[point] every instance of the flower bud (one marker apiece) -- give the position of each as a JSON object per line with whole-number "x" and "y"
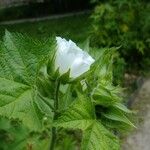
{"x": 70, "y": 58}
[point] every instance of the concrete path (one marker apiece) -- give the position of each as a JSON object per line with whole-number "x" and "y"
{"x": 140, "y": 138}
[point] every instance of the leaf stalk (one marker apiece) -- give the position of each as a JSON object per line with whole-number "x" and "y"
{"x": 56, "y": 103}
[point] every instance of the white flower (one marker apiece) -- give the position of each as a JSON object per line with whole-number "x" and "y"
{"x": 70, "y": 56}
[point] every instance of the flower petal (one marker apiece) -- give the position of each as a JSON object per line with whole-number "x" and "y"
{"x": 79, "y": 67}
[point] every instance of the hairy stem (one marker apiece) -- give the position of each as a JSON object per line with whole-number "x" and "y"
{"x": 54, "y": 131}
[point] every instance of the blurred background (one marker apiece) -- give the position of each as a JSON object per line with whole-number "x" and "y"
{"x": 124, "y": 24}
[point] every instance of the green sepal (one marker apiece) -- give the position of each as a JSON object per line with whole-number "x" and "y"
{"x": 51, "y": 67}
{"x": 65, "y": 78}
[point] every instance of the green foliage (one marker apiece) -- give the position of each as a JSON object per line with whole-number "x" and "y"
{"x": 28, "y": 93}
{"x": 67, "y": 140}
{"x": 78, "y": 116}
{"x": 20, "y": 61}
{"x": 119, "y": 71}
{"x": 81, "y": 116}
{"x": 123, "y": 23}
{"x": 98, "y": 137}
{"x": 104, "y": 101}
{"x": 16, "y": 136}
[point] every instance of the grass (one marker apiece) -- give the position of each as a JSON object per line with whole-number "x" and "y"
{"x": 76, "y": 28}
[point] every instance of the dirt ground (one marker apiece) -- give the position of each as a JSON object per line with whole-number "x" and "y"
{"x": 139, "y": 139}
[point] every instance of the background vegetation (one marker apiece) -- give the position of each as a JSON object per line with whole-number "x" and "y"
{"x": 113, "y": 23}
{"x": 125, "y": 24}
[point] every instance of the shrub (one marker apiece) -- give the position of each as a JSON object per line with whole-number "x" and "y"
{"x": 123, "y": 23}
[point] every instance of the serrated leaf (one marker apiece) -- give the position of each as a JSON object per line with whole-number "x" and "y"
{"x": 122, "y": 108}
{"x": 116, "y": 115}
{"x": 97, "y": 137}
{"x": 104, "y": 69}
{"x": 66, "y": 97}
{"x": 104, "y": 96}
{"x": 17, "y": 101}
{"x": 20, "y": 58}
{"x": 79, "y": 115}
{"x": 20, "y": 61}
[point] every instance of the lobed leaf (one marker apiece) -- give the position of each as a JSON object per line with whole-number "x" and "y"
{"x": 97, "y": 137}
{"x": 79, "y": 115}
{"x": 20, "y": 62}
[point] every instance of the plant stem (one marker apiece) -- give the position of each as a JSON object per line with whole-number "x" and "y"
{"x": 54, "y": 131}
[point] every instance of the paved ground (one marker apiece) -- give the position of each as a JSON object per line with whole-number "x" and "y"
{"x": 139, "y": 139}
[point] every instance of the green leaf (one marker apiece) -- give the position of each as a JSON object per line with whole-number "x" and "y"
{"x": 103, "y": 68}
{"x": 20, "y": 61}
{"x": 85, "y": 45}
{"x": 79, "y": 115}
{"x": 21, "y": 57}
{"x": 105, "y": 95}
{"x": 18, "y": 101}
{"x": 116, "y": 115}
{"x": 122, "y": 108}
{"x": 66, "y": 97}
{"x": 97, "y": 137}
